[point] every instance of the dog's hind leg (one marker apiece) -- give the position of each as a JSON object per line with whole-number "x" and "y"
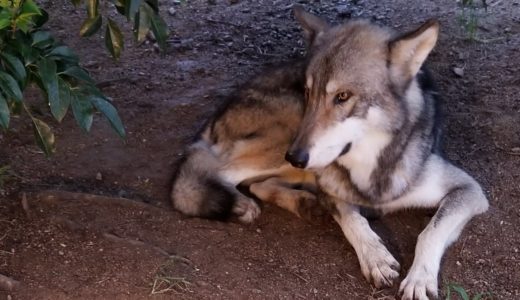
{"x": 199, "y": 191}
{"x": 296, "y": 194}
{"x": 462, "y": 198}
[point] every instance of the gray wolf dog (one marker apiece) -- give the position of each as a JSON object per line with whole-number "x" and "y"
{"x": 358, "y": 122}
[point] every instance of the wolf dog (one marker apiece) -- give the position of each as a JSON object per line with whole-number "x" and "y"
{"x": 359, "y": 123}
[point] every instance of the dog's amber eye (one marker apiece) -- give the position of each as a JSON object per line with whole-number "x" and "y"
{"x": 342, "y": 97}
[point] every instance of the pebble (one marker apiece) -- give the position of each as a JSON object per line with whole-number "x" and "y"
{"x": 458, "y": 71}
{"x": 172, "y": 11}
{"x": 343, "y": 11}
{"x": 99, "y": 177}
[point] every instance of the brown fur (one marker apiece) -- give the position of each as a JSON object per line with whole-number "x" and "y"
{"x": 252, "y": 132}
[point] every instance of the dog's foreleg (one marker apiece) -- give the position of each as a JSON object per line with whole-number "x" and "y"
{"x": 377, "y": 264}
{"x": 463, "y": 200}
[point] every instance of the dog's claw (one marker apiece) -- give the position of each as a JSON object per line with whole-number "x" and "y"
{"x": 246, "y": 210}
{"x": 419, "y": 285}
{"x": 379, "y": 266}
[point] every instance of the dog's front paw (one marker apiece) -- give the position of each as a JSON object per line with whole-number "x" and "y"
{"x": 420, "y": 284}
{"x": 378, "y": 265}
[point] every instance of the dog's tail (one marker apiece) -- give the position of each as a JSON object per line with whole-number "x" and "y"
{"x": 197, "y": 190}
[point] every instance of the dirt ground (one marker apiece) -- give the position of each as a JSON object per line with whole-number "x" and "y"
{"x": 65, "y": 245}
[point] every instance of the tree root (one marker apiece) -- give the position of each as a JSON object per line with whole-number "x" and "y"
{"x": 56, "y": 196}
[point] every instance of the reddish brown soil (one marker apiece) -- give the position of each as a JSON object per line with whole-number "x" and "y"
{"x": 71, "y": 247}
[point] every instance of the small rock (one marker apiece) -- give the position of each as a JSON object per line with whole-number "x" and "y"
{"x": 99, "y": 177}
{"x": 458, "y": 263}
{"x": 172, "y": 11}
{"x": 186, "y": 65}
{"x": 176, "y": 2}
{"x": 343, "y": 11}
{"x": 458, "y": 71}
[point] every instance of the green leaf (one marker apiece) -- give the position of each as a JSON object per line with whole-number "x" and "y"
{"x": 29, "y": 7}
{"x": 131, "y": 8}
{"x": 92, "y": 8}
{"x": 114, "y": 39}
{"x": 5, "y": 18}
{"x": 142, "y": 22}
{"x": 47, "y": 71}
{"x": 481, "y": 295}
{"x": 460, "y": 290}
{"x": 91, "y": 26}
{"x": 78, "y": 73}
{"x": 82, "y": 110}
{"x": 65, "y": 96}
{"x": 15, "y": 66}
{"x": 160, "y": 30}
{"x": 44, "y": 136}
{"x": 24, "y": 22}
{"x": 4, "y": 112}
{"x": 41, "y": 19}
{"x": 63, "y": 53}
{"x": 10, "y": 87}
{"x": 108, "y": 110}
{"x": 42, "y": 39}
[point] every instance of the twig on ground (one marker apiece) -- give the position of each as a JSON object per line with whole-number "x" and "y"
{"x": 5, "y": 234}
{"x": 107, "y": 83}
{"x": 165, "y": 282}
{"x": 117, "y": 239}
{"x": 55, "y": 196}
{"x": 25, "y": 205}
{"x": 301, "y": 277}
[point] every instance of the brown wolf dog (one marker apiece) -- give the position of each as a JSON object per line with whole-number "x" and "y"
{"x": 360, "y": 124}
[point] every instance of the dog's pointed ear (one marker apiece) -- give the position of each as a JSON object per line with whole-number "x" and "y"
{"x": 409, "y": 51}
{"x": 312, "y": 25}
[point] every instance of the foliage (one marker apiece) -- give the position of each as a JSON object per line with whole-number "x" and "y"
{"x": 463, "y": 294}
{"x": 143, "y": 13}
{"x": 29, "y": 55}
{"x": 469, "y": 16}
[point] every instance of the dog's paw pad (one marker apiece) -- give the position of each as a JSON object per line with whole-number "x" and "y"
{"x": 379, "y": 266}
{"x": 419, "y": 286}
{"x": 246, "y": 210}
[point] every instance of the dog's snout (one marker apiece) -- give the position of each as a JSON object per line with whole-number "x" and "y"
{"x": 298, "y": 158}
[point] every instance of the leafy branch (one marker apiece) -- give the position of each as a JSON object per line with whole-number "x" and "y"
{"x": 30, "y": 56}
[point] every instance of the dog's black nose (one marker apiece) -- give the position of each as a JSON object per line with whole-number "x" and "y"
{"x": 298, "y": 158}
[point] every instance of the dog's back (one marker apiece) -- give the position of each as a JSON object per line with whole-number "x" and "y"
{"x": 246, "y": 138}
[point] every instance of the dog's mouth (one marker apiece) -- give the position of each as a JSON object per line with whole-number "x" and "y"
{"x": 346, "y": 149}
